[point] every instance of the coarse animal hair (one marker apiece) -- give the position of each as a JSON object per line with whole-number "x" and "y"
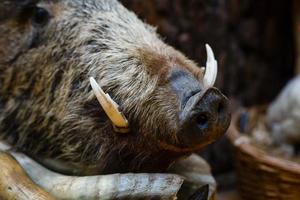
{"x": 46, "y": 103}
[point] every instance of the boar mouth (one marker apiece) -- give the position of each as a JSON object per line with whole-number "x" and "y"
{"x": 111, "y": 108}
{"x": 203, "y": 112}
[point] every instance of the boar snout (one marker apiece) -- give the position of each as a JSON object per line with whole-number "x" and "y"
{"x": 204, "y": 114}
{"x": 205, "y": 117}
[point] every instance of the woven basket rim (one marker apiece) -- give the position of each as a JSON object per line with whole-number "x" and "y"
{"x": 260, "y": 155}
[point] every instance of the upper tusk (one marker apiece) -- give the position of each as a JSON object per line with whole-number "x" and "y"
{"x": 211, "y": 70}
{"x": 111, "y": 108}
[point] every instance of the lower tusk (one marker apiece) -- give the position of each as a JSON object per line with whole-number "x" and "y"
{"x": 111, "y": 108}
{"x": 211, "y": 69}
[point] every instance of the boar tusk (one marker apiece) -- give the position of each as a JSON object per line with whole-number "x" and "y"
{"x": 211, "y": 68}
{"x": 111, "y": 108}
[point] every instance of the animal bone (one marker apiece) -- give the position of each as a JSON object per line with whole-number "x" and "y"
{"x": 111, "y": 108}
{"x": 211, "y": 69}
{"x": 115, "y": 186}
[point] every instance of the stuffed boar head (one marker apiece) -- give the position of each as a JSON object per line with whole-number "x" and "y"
{"x": 156, "y": 105}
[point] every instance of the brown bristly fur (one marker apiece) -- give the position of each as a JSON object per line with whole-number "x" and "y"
{"x": 47, "y": 107}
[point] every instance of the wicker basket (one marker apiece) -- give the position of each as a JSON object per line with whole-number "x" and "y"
{"x": 262, "y": 176}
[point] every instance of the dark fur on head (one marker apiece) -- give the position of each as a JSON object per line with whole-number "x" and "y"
{"x": 46, "y": 103}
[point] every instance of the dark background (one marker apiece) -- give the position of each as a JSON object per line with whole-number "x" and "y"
{"x": 253, "y": 40}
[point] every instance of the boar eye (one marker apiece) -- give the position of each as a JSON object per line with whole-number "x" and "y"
{"x": 41, "y": 16}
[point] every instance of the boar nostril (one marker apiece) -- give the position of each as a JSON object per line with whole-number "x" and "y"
{"x": 202, "y": 121}
{"x": 221, "y": 108}
{"x": 207, "y": 117}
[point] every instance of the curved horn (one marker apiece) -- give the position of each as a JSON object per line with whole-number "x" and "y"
{"x": 114, "y": 186}
{"x": 211, "y": 69}
{"x": 111, "y": 108}
{"x": 15, "y": 183}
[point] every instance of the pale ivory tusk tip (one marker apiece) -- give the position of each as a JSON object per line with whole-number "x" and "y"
{"x": 110, "y": 107}
{"x": 210, "y": 53}
{"x": 211, "y": 68}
